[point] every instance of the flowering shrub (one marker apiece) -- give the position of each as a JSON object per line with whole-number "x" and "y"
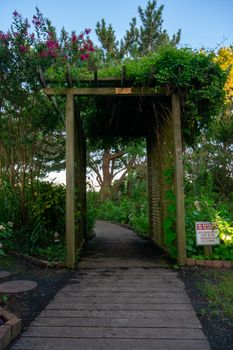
{"x": 37, "y": 44}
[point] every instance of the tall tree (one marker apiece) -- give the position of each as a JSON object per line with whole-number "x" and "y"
{"x": 109, "y": 43}
{"x": 152, "y": 35}
{"x": 111, "y": 165}
{"x": 139, "y": 40}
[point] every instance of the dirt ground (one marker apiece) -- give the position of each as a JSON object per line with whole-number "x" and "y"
{"x": 218, "y": 330}
{"x": 29, "y": 304}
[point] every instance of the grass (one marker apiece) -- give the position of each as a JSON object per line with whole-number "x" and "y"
{"x": 219, "y": 292}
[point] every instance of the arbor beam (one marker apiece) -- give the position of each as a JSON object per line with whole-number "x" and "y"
{"x": 111, "y": 91}
{"x": 179, "y": 182}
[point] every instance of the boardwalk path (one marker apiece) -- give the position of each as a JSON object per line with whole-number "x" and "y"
{"x": 119, "y": 299}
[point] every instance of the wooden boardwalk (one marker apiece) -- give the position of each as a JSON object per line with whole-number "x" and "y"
{"x": 121, "y": 298}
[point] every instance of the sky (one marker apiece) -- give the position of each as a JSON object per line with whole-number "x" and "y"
{"x": 204, "y": 23}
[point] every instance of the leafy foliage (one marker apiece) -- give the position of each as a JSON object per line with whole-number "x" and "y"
{"x": 198, "y": 80}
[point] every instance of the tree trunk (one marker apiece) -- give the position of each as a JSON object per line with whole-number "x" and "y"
{"x": 105, "y": 190}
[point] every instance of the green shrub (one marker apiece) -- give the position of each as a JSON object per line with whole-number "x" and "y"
{"x": 92, "y": 204}
{"x": 207, "y": 209}
{"x": 127, "y": 211}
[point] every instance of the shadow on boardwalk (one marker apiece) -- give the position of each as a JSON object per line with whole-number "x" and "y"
{"x": 120, "y": 298}
{"x": 117, "y": 246}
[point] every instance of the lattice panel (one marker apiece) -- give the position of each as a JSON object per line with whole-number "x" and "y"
{"x": 160, "y": 159}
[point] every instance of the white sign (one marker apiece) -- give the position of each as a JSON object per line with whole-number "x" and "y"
{"x": 206, "y": 233}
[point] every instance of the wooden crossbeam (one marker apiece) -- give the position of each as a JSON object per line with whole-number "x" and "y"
{"x": 111, "y": 91}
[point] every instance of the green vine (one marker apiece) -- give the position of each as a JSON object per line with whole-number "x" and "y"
{"x": 197, "y": 78}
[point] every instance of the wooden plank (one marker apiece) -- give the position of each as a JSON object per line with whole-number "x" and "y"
{"x": 110, "y": 332}
{"x": 131, "y": 283}
{"x": 160, "y": 287}
{"x": 179, "y": 186}
{"x": 70, "y": 181}
{"x": 125, "y": 276}
{"x": 111, "y": 295}
{"x": 123, "y": 314}
{"x": 132, "y": 299}
{"x": 177, "y": 299}
{"x": 161, "y": 304}
{"x": 115, "y": 289}
{"x": 106, "y": 344}
{"x": 104, "y": 91}
{"x": 116, "y": 322}
{"x": 139, "y": 271}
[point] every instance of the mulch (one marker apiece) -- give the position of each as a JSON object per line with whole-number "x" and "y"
{"x": 218, "y": 330}
{"x": 27, "y": 305}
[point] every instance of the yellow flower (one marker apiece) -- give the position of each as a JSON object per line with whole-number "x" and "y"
{"x": 225, "y": 59}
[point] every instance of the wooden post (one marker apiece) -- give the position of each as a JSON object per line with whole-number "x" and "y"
{"x": 80, "y": 179}
{"x": 70, "y": 181}
{"x": 179, "y": 189}
{"x": 208, "y": 250}
{"x": 149, "y": 177}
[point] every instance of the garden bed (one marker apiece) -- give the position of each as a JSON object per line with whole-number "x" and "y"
{"x": 28, "y": 305}
{"x": 215, "y": 312}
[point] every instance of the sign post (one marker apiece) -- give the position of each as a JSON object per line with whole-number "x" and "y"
{"x": 207, "y": 235}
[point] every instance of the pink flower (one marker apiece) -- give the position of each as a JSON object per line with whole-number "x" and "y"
{"x": 74, "y": 38}
{"x": 51, "y": 35}
{"x": 36, "y": 21}
{"x": 80, "y": 37}
{"x": 32, "y": 36}
{"x": 52, "y": 53}
{"x": 84, "y": 56}
{"x": 87, "y": 31}
{"x": 52, "y": 44}
{"x": 4, "y": 36}
{"x": 43, "y": 53}
{"x": 15, "y": 14}
{"x": 23, "y": 48}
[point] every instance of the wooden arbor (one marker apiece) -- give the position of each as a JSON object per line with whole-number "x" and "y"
{"x": 139, "y": 111}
